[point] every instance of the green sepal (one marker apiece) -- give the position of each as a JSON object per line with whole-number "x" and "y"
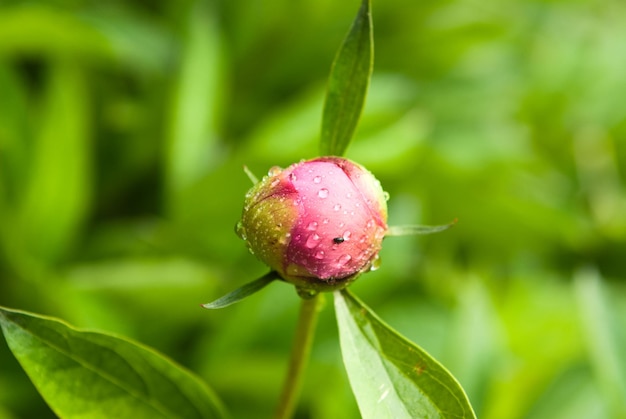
{"x": 242, "y": 292}
{"x": 413, "y": 230}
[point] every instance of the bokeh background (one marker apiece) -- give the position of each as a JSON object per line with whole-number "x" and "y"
{"x": 124, "y": 126}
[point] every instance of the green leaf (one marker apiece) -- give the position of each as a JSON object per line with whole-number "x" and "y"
{"x": 347, "y": 85}
{"x": 196, "y": 103}
{"x": 390, "y": 376}
{"x": 57, "y": 197}
{"x": 412, "y": 230}
{"x": 600, "y": 328}
{"x": 87, "y": 374}
{"x": 242, "y": 292}
{"x": 99, "y": 36}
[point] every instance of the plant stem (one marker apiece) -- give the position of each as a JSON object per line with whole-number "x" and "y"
{"x": 307, "y": 321}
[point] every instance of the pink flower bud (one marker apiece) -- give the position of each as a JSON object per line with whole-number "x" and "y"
{"x": 318, "y": 223}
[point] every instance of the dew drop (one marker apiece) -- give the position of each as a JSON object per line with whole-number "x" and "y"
{"x": 274, "y": 170}
{"x": 337, "y": 207}
{"x": 285, "y": 239}
{"x": 317, "y": 179}
{"x": 293, "y": 177}
{"x": 312, "y": 241}
{"x": 346, "y": 235}
{"x": 240, "y": 230}
{"x": 348, "y": 195}
{"x": 325, "y": 221}
{"x": 323, "y": 193}
{"x": 369, "y": 224}
{"x": 375, "y": 263}
{"x": 342, "y": 224}
{"x": 312, "y": 226}
{"x": 319, "y": 255}
{"x": 274, "y": 183}
{"x": 343, "y": 260}
{"x": 386, "y": 195}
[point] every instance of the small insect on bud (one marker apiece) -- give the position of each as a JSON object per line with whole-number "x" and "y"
{"x": 318, "y": 223}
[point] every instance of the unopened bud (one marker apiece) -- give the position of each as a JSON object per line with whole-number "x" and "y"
{"x": 318, "y": 223}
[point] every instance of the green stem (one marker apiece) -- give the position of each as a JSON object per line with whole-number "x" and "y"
{"x": 307, "y": 321}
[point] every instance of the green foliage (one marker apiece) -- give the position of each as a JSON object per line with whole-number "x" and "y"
{"x": 347, "y": 85}
{"x": 87, "y": 374}
{"x": 242, "y": 292}
{"x": 390, "y": 376}
{"x": 506, "y": 115}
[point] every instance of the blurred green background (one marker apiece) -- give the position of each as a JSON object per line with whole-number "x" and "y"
{"x": 124, "y": 127}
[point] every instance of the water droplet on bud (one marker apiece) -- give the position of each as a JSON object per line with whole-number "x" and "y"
{"x": 312, "y": 226}
{"x": 343, "y": 260}
{"x": 312, "y": 241}
{"x": 375, "y": 263}
{"x": 274, "y": 170}
{"x": 323, "y": 193}
{"x": 319, "y": 255}
{"x": 240, "y": 230}
{"x": 317, "y": 179}
{"x": 337, "y": 207}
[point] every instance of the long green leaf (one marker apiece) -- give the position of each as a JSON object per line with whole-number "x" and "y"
{"x": 600, "y": 328}
{"x": 413, "y": 230}
{"x": 195, "y": 106}
{"x": 390, "y": 376}
{"x": 58, "y": 194}
{"x": 242, "y": 292}
{"x": 347, "y": 85}
{"x": 86, "y": 374}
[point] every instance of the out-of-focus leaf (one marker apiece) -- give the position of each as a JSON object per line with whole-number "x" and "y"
{"x": 58, "y": 192}
{"x": 34, "y": 28}
{"x": 347, "y": 85}
{"x": 88, "y": 374}
{"x": 136, "y": 42}
{"x": 108, "y": 38}
{"x": 242, "y": 292}
{"x": 600, "y": 329}
{"x": 390, "y": 376}
{"x": 13, "y": 133}
{"x": 195, "y": 106}
{"x": 13, "y": 161}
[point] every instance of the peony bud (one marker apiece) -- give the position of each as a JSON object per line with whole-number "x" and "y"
{"x": 318, "y": 223}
